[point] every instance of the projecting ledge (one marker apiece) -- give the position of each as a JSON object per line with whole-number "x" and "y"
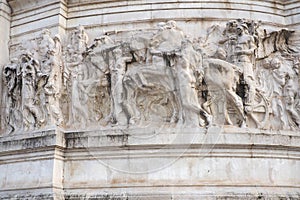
{"x": 151, "y": 138}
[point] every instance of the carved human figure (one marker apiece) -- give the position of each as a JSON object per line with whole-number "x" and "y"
{"x": 296, "y": 68}
{"x": 100, "y": 59}
{"x": 186, "y": 67}
{"x": 87, "y": 70}
{"x": 220, "y": 77}
{"x": 45, "y": 49}
{"x": 54, "y": 83}
{"x": 45, "y": 52}
{"x": 265, "y": 78}
{"x": 32, "y": 115}
{"x": 292, "y": 101}
{"x": 117, "y": 72}
{"x": 68, "y": 58}
{"x": 79, "y": 39}
{"x": 139, "y": 47}
{"x": 279, "y": 76}
{"x": 229, "y": 40}
{"x": 291, "y": 94}
{"x": 167, "y": 40}
{"x": 244, "y": 55}
{"x": 101, "y": 56}
{"x": 151, "y": 73}
{"x": 162, "y": 49}
{"x": 12, "y": 80}
{"x": 79, "y": 96}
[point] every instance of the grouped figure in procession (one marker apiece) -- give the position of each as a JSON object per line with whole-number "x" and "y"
{"x": 283, "y": 91}
{"x": 160, "y": 77}
{"x": 263, "y": 75}
{"x": 12, "y": 96}
{"x": 33, "y": 93}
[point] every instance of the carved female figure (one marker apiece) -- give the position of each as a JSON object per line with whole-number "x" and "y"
{"x": 79, "y": 96}
{"x": 32, "y": 115}
{"x": 12, "y": 80}
{"x": 54, "y": 83}
{"x": 278, "y": 105}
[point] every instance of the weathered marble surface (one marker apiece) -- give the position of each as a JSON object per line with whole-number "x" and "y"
{"x": 149, "y": 163}
{"x": 116, "y": 100}
{"x": 74, "y": 70}
{"x": 123, "y": 15}
{"x": 240, "y": 75}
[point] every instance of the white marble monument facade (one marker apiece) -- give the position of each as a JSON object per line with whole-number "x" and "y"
{"x": 150, "y": 99}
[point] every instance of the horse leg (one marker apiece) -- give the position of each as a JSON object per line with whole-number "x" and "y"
{"x": 130, "y": 104}
{"x": 176, "y": 113}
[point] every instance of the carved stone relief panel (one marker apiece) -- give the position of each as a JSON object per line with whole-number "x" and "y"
{"x": 240, "y": 75}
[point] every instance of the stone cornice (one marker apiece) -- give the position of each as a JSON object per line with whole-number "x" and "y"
{"x": 5, "y": 10}
{"x": 23, "y": 5}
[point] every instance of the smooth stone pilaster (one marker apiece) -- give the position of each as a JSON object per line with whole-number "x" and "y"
{"x": 5, "y": 19}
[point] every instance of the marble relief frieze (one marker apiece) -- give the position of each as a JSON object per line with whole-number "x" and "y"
{"x": 240, "y": 75}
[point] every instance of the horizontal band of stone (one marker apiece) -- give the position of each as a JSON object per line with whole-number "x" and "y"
{"x": 145, "y": 163}
{"x": 135, "y": 137}
{"x": 122, "y": 15}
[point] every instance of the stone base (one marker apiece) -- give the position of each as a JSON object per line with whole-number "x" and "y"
{"x": 151, "y": 163}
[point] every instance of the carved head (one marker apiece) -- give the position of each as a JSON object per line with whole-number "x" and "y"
{"x": 266, "y": 63}
{"x": 231, "y": 25}
{"x": 241, "y": 29}
{"x": 70, "y": 50}
{"x": 184, "y": 62}
{"x": 171, "y": 24}
{"x": 45, "y": 32}
{"x": 57, "y": 38}
{"x": 80, "y": 29}
{"x": 276, "y": 63}
{"x": 161, "y": 25}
